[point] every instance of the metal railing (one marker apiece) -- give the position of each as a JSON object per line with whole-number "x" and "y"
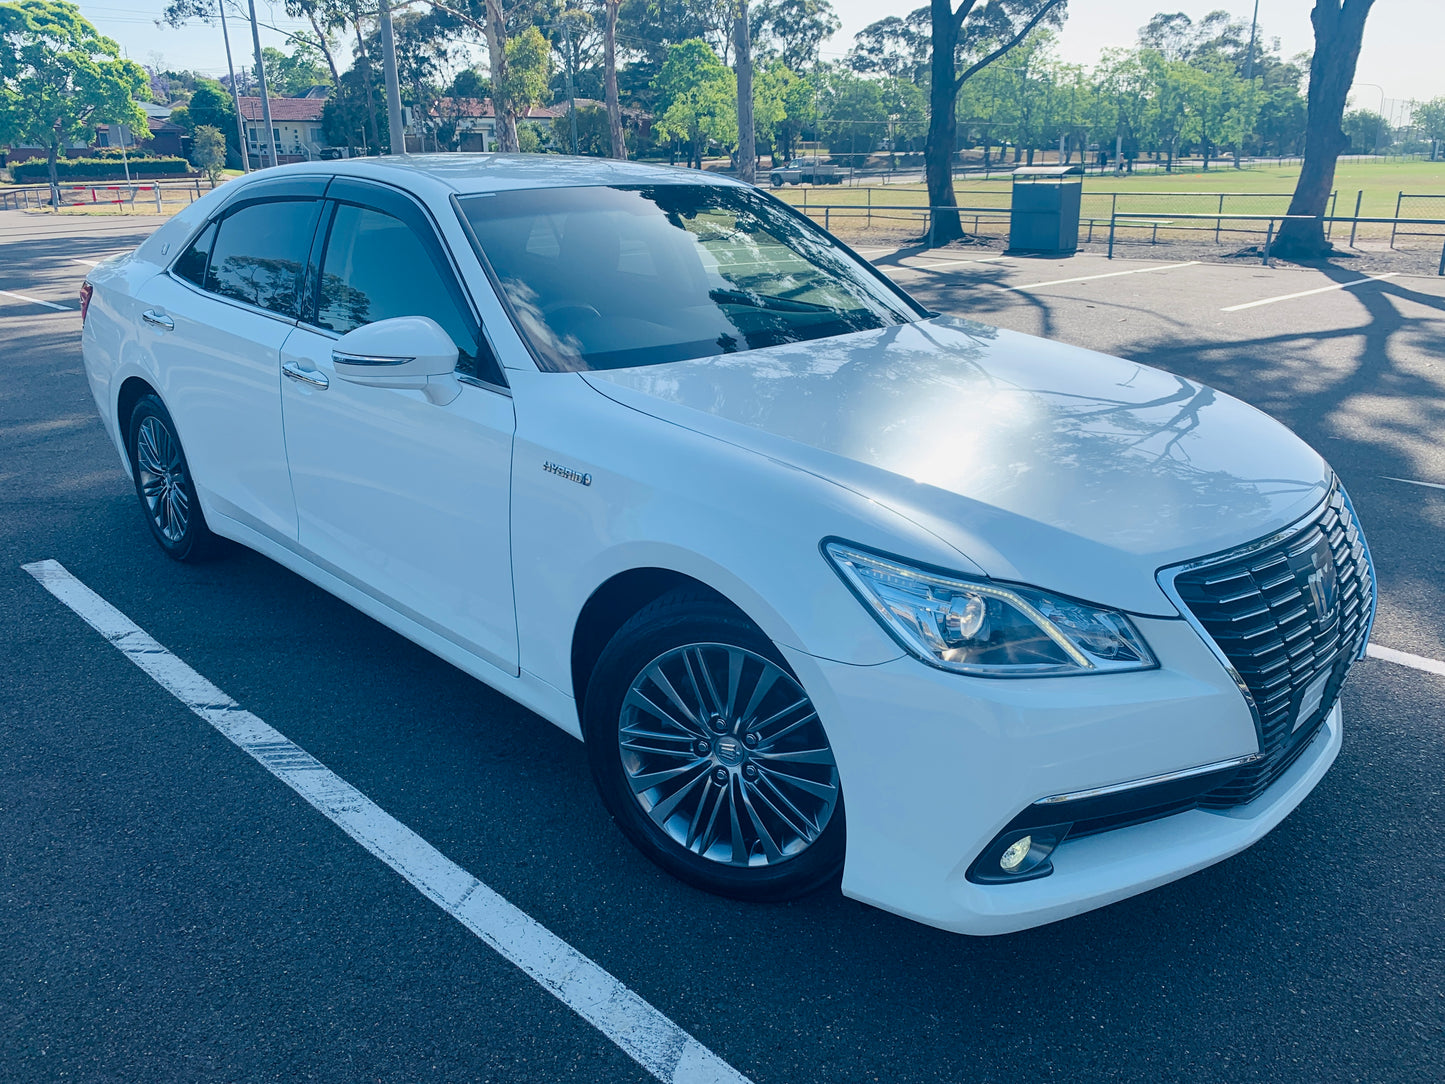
{"x": 1326, "y": 221}
{"x": 101, "y": 193}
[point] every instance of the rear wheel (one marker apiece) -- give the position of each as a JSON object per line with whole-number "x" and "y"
{"x": 163, "y": 482}
{"x": 709, "y": 755}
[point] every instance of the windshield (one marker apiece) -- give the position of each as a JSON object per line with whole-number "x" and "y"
{"x": 614, "y": 277}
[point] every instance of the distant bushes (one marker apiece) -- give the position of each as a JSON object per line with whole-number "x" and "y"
{"x": 97, "y": 169}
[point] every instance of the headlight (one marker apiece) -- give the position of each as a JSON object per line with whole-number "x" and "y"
{"x": 986, "y": 629}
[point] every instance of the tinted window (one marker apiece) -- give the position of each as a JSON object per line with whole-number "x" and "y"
{"x": 192, "y": 263}
{"x": 260, "y": 252}
{"x": 377, "y": 268}
{"x": 603, "y": 278}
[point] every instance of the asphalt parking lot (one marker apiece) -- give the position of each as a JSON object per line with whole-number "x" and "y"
{"x": 170, "y": 910}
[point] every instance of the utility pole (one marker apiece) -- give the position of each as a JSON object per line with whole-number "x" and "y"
{"x": 571, "y": 92}
{"x": 265, "y": 94}
{"x": 393, "y": 85}
{"x": 235, "y": 93}
{"x": 747, "y": 138}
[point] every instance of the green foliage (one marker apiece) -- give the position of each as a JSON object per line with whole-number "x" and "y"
{"x": 208, "y": 152}
{"x": 61, "y": 77}
{"x": 1367, "y": 131}
{"x": 698, "y": 97}
{"x": 529, "y": 66}
{"x": 98, "y": 169}
{"x": 211, "y": 106}
{"x": 594, "y": 137}
{"x": 291, "y": 75}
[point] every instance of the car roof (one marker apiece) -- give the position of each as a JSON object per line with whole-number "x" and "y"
{"x": 467, "y": 174}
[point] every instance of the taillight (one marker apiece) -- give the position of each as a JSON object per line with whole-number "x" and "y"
{"x": 86, "y": 289}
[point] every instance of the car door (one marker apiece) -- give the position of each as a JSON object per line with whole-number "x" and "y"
{"x": 405, "y": 498}
{"x": 214, "y": 323}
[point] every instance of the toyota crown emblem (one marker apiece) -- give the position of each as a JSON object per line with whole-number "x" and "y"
{"x": 1322, "y": 583}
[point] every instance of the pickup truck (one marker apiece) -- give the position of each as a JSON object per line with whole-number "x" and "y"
{"x": 805, "y": 171}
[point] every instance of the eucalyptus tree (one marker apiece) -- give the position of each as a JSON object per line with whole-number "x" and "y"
{"x": 964, "y": 41}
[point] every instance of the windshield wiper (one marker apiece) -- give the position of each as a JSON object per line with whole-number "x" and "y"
{"x": 765, "y": 301}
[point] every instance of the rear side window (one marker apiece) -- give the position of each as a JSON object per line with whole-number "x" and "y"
{"x": 259, "y": 254}
{"x": 192, "y": 263}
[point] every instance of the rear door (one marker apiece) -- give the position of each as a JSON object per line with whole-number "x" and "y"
{"x": 215, "y": 324}
{"x": 405, "y": 498}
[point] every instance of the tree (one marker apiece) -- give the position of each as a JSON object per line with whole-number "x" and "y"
{"x": 794, "y": 29}
{"x": 609, "y": 80}
{"x": 699, "y": 97}
{"x": 747, "y": 134}
{"x": 291, "y": 75}
{"x": 211, "y": 105}
{"x": 208, "y": 152}
{"x": 974, "y": 34}
{"x": 1339, "y": 27}
{"x": 529, "y": 65}
{"x": 1366, "y": 131}
{"x": 1429, "y": 117}
{"x": 61, "y": 78}
{"x": 894, "y": 46}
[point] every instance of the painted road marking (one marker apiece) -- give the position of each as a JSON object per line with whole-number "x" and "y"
{"x": 88, "y": 263}
{"x": 1412, "y": 482}
{"x": 1404, "y": 658}
{"x": 1308, "y": 293}
{"x": 644, "y": 1034}
{"x": 950, "y": 263}
{"x": 37, "y": 301}
{"x": 1090, "y": 278}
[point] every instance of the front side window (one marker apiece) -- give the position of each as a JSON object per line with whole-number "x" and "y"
{"x": 191, "y": 265}
{"x": 377, "y": 268}
{"x": 612, "y": 277}
{"x": 260, "y": 252}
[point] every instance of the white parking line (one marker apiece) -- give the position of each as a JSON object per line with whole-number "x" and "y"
{"x": 1412, "y": 482}
{"x": 1090, "y": 278}
{"x": 1307, "y": 293}
{"x": 949, "y": 263}
{"x": 87, "y": 263}
{"x": 1404, "y": 658}
{"x": 644, "y": 1034}
{"x": 37, "y": 301}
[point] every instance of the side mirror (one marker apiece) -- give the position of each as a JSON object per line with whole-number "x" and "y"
{"x": 405, "y": 352}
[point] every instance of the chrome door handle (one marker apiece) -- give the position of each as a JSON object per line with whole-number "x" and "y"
{"x": 158, "y": 319}
{"x": 306, "y": 376}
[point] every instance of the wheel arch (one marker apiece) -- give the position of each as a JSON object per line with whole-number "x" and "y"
{"x": 131, "y": 391}
{"x": 613, "y": 603}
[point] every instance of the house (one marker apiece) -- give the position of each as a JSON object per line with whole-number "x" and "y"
{"x": 473, "y": 120}
{"x": 297, "y": 124}
{"x": 164, "y": 137}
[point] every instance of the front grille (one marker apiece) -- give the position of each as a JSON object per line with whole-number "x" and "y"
{"x": 1287, "y": 613}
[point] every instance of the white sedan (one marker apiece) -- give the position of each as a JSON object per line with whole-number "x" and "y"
{"x": 651, "y": 454}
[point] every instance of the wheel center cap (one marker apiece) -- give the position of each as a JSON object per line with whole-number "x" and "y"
{"x": 730, "y": 751}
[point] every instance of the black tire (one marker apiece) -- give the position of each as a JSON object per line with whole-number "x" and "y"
{"x": 163, "y": 483}
{"x": 775, "y": 181}
{"x": 678, "y": 620}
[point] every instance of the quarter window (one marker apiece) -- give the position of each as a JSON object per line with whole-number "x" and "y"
{"x": 377, "y": 268}
{"x": 191, "y": 265}
{"x": 260, "y": 252}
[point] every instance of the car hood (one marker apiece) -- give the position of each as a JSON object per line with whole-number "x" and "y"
{"x": 1038, "y": 462}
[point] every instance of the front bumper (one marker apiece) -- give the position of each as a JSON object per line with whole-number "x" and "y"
{"x": 934, "y": 765}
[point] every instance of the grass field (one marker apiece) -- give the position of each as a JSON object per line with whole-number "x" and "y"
{"x": 1255, "y": 190}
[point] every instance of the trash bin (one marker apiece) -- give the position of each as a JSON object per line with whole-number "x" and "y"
{"x": 1044, "y": 217}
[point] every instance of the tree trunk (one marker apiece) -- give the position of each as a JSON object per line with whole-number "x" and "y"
{"x": 497, "y": 60}
{"x": 50, "y": 155}
{"x": 609, "y": 64}
{"x": 942, "y": 126}
{"x": 366, "y": 85}
{"x": 747, "y": 137}
{"x": 1339, "y": 27}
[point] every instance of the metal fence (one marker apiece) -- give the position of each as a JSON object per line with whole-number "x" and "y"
{"x": 1416, "y": 205}
{"x": 117, "y": 196}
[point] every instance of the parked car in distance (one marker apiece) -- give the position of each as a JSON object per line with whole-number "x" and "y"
{"x": 1001, "y": 629}
{"x": 805, "y": 171}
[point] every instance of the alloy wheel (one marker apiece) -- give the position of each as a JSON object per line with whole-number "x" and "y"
{"x": 162, "y": 478}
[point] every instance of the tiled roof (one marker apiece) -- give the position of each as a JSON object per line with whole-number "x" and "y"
{"x": 482, "y": 107}
{"x": 284, "y": 108}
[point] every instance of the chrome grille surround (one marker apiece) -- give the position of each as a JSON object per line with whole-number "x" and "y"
{"x": 1258, "y": 607}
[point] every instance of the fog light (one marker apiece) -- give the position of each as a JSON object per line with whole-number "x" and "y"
{"x": 1014, "y": 856}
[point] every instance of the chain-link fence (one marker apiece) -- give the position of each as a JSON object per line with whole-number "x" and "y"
{"x": 1416, "y": 205}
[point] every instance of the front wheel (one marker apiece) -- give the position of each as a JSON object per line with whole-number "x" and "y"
{"x": 709, "y": 755}
{"x": 775, "y": 181}
{"x": 164, "y": 484}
